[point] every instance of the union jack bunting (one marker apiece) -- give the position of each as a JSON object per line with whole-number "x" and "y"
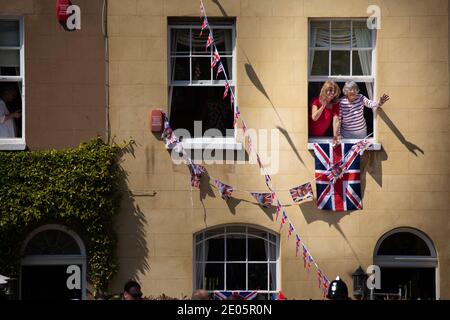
{"x": 290, "y": 230}
{"x": 202, "y": 10}
{"x": 283, "y": 219}
{"x": 361, "y": 146}
{"x": 208, "y": 42}
{"x": 278, "y": 209}
{"x": 319, "y": 277}
{"x": 305, "y": 255}
{"x": 337, "y": 177}
{"x": 326, "y": 284}
{"x": 196, "y": 173}
{"x": 204, "y": 26}
{"x": 248, "y": 144}
{"x": 168, "y": 136}
{"x": 216, "y": 59}
{"x": 244, "y": 126}
{"x": 297, "y": 244}
{"x": 244, "y": 295}
{"x": 231, "y": 97}
{"x": 219, "y": 70}
{"x": 224, "y": 190}
{"x": 227, "y": 86}
{"x": 302, "y": 192}
{"x": 310, "y": 260}
{"x": 264, "y": 199}
{"x": 237, "y": 113}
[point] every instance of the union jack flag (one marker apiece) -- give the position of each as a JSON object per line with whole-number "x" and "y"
{"x": 204, "y": 26}
{"x": 237, "y": 113}
{"x": 305, "y": 255}
{"x": 196, "y": 173}
{"x": 240, "y": 295}
{"x": 264, "y": 199}
{"x": 224, "y": 190}
{"x": 291, "y": 229}
{"x": 216, "y": 59}
{"x": 231, "y": 97}
{"x": 227, "y": 86}
{"x": 302, "y": 192}
{"x": 297, "y": 244}
{"x": 278, "y": 209}
{"x": 283, "y": 219}
{"x": 338, "y": 177}
{"x": 219, "y": 70}
{"x": 326, "y": 284}
{"x": 209, "y": 42}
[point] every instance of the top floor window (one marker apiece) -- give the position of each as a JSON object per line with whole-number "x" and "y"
{"x": 340, "y": 50}
{"x": 11, "y": 84}
{"x": 195, "y": 89}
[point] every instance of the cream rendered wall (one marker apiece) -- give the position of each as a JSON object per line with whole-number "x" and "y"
{"x": 160, "y": 213}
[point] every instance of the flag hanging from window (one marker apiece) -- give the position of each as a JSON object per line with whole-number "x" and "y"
{"x": 227, "y": 86}
{"x": 302, "y": 192}
{"x": 264, "y": 199}
{"x": 208, "y": 42}
{"x": 224, "y": 190}
{"x": 338, "y": 177}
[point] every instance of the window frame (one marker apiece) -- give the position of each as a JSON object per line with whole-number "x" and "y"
{"x": 225, "y": 143}
{"x": 16, "y": 143}
{"x": 224, "y": 233}
{"x": 339, "y": 78}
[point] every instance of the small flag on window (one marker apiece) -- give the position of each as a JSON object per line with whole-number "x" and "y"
{"x": 216, "y": 59}
{"x": 227, "y": 87}
{"x": 208, "y": 42}
{"x": 204, "y": 26}
{"x": 219, "y": 70}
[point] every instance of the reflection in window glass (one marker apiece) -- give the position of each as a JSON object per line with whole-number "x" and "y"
{"x": 257, "y": 276}
{"x": 9, "y": 33}
{"x": 236, "y": 276}
{"x": 340, "y": 63}
{"x": 319, "y": 62}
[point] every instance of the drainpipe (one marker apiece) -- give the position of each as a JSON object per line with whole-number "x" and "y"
{"x": 105, "y": 35}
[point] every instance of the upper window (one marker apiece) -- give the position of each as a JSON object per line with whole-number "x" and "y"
{"x": 236, "y": 258}
{"x": 340, "y": 50}
{"x": 195, "y": 89}
{"x": 11, "y": 84}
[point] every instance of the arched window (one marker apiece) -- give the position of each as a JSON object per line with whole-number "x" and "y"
{"x": 408, "y": 261}
{"x": 54, "y": 265}
{"x": 236, "y": 258}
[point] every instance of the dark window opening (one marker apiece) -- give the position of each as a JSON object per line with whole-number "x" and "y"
{"x": 11, "y": 102}
{"x": 404, "y": 244}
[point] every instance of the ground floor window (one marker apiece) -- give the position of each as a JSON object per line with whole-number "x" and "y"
{"x": 408, "y": 261}
{"x": 237, "y": 258}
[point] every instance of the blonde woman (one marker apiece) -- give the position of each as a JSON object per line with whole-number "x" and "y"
{"x": 353, "y": 124}
{"x": 324, "y": 110}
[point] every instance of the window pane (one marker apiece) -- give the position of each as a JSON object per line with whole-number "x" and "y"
{"x": 180, "y": 42}
{"x": 223, "y": 39}
{"x": 272, "y": 276}
{"x": 272, "y": 252}
{"x": 319, "y": 34}
{"x": 319, "y": 63}
{"x": 257, "y": 276}
{"x": 199, "y": 42}
{"x": 236, "y": 275}
{"x": 257, "y": 232}
{"x": 340, "y": 62}
{"x": 362, "y": 36}
{"x": 180, "y": 69}
{"x": 214, "y": 276}
{"x": 12, "y": 99}
{"x": 214, "y": 249}
{"x": 9, "y": 33}
{"x": 201, "y": 69}
{"x": 362, "y": 63}
{"x": 340, "y": 34}
{"x": 203, "y": 104}
{"x": 236, "y": 248}
{"x": 257, "y": 250}
{"x": 9, "y": 62}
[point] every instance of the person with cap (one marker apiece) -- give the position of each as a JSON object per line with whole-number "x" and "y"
{"x": 132, "y": 291}
{"x": 338, "y": 290}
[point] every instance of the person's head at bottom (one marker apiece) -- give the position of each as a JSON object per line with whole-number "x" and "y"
{"x": 132, "y": 291}
{"x": 235, "y": 297}
{"x": 200, "y": 294}
{"x": 338, "y": 290}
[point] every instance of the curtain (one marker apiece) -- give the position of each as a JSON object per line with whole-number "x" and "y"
{"x": 320, "y": 37}
{"x": 271, "y": 255}
{"x": 201, "y": 254}
{"x": 363, "y": 39}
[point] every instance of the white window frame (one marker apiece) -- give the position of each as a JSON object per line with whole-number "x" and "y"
{"x": 246, "y": 262}
{"x": 312, "y": 78}
{"x": 16, "y": 143}
{"x": 225, "y": 143}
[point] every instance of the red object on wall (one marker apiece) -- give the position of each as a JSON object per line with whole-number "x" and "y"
{"x": 156, "y": 121}
{"x": 61, "y": 10}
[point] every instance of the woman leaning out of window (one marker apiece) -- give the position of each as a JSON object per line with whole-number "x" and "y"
{"x": 324, "y": 110}
{"x": 353, "y": 124}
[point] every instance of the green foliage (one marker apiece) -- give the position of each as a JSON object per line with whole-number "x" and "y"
{"x": 76, "y": 188}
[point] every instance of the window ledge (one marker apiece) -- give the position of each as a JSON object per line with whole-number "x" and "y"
{"x": 374, "y": 147}
{"x": 212, "y": 144}
{"x": 13, "y": 145}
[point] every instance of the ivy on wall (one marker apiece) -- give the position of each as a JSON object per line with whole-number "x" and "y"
{"x": 76, "y": 188}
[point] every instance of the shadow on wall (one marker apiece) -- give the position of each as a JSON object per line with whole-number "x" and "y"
{"x": 130, "y": 225}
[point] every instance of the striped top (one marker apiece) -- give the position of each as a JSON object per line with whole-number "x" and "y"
{"x": 351, "y": 114}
